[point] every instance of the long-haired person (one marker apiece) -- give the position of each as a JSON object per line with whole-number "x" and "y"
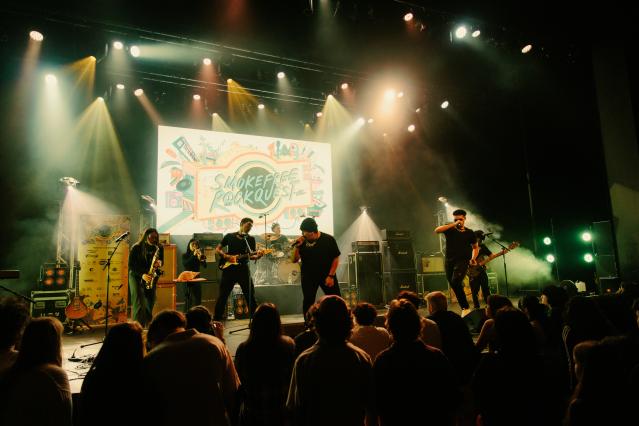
{"x": 193, "y": 259}
{"x": 120, "y": 357}
{"x": 146, "y": 257}
{"x": 35, "y": 391}
{"x": 264, "y": 363}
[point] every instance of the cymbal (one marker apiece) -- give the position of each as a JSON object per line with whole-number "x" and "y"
{"x": 267, "y": 235}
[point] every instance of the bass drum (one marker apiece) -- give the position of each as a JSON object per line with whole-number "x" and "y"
{"x": 289, "y": 273}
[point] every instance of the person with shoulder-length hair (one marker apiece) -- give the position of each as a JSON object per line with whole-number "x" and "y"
{"x": 264, "y": 363}
{"x": 141, "y": 283}
{"x": 193, "y": 259}
{"x": 120, "y": 356}
{"x": 36, "y": 389}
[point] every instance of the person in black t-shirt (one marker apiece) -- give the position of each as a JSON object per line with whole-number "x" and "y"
{"x": 192, "y": 260}
{"x": 238, "y": 244}
{"x": 461, "y": 250}
{"x": 319, "y": 254}
{"x": 140, "y": 257}
{"x": 480, "y": 279}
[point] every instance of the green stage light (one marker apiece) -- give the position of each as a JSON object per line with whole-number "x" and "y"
{"x": 550, "y": 258}
{"x": 547, "y": 241}
{"x": 588, "y": 257}
{"x": 586, "y": 236}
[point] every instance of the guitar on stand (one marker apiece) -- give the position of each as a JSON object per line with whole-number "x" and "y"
{"x": 474, "y": 270}
{"x": 77, "y": 310}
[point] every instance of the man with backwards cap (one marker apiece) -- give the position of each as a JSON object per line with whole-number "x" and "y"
{"x": 319, "y": 254}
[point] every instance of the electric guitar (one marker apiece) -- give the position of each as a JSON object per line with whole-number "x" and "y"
{"x": 235, "y": 259}
{"x": 76, "y": 309}
{"x": 474, "y": 270}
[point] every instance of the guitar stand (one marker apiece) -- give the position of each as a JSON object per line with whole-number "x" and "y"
{"x": 74, "y": 326}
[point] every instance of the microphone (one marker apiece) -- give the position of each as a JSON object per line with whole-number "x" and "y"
{"x": 297, "y": 243}
{"x": 121, "y": 237}
{"x": 458, "y": 225}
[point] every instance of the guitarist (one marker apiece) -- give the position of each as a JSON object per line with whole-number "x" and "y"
{"x": 140, "y": 258}
{"x": 480, "y": 280}
{"x": 237, "y": 244}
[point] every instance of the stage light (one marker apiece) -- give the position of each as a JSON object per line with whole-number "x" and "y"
{"x": 418, "y": 110}
{"x": 196, "y": 97}
{"x": 229, "y": 81}
{"x": 134, "y": 51}
{"x": 442, "y": 200}
{"x": 36, "y": 36}
{"x": 586, "y": 236}
{"x": 588, "y": 257}
{"x": 411, "y": 128}
{"x": 408, "y": 17}
{"x": 371, "y": 121}
{"x": 360, "y": 121}
{"x": 119, "y": 86}
{"x": 547, "y": 241}
{"x": 281, "y": 75}
{"x": 329, "y": 97}
{"x": 344, "y": 86}
{"x": 260, "y": 106}
{"x": 363, "y": 209}
{"x": 100, "y": 99}
{"x": 476, "y": 33}
{"x": 445, "y": 104}
{"x": 206, "y": 61}
{"x": 117, "y": 45}
{"x": 51, "y": 79}
{"x": 69, "y": 181}
{"x": 318, "y": 114}
{"x": 400, "y": 95}
{"x": 138, "y": 92}
{"x": 461, "y": 32}
{"x": 527, "y": 48}
{"x": 550, "y": 258}
{"x": 389, "y": 95}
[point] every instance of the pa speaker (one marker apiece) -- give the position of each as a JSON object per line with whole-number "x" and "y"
{"x": 475, "y": 320}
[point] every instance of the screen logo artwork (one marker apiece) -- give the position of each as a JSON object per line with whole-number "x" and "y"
{"x": 208, "y": 181}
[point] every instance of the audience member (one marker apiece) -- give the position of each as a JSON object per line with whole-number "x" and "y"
{"x": 486, "y": 337}
{"x": 14, "y": 316}
{"x": 430, "y": 331}
{"x": 199, "y": 317}
{"x": 365, "y": 335}
{"x": 308, "y": 337}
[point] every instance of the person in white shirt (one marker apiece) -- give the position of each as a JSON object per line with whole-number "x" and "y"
{"x": 365, "y": 335}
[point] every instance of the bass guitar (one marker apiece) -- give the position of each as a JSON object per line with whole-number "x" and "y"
{"x": 235, "y": 259}
{"x": 474, "y": 270}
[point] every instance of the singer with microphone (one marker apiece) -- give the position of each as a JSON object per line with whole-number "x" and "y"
{"x": 237, "y": 250}
{"x": 192, "y": 260}
{"x": 461, "y": 251}
{"x": 319, "y": 254}
{"x": 140, "y": 259}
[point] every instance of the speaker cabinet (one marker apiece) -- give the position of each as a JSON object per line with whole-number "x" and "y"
{"x": 394, "y": 282}
{"x": 398, "y": 255}
{"x": 169, "y": 268}
{"x": 165, "y": 297}
{"x": 365, "y": 274}
{"x": 210, "y": 293}
{"x": 287, "y": 297}
{"x": 475, "y": 320}
{"x": 435, "y": 282}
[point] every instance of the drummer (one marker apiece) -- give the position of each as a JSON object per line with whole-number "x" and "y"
{"x": 277, "y": 241}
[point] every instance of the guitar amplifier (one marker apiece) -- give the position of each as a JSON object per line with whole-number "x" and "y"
{"x": 165, "y": 297}
{"x": 432, "y": 264}
{"x": 388, "y": 235}
{"x": 50, "y": 303}
{"x": 169, "y": 268}
{"x": 365, "y": 246}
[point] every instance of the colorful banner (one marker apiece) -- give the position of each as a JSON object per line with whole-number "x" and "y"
{"x": 96, "y": 243}
{"x": 208, "y": 181}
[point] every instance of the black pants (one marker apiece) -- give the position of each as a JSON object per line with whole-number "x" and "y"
{"x": 192, "y": 295}
{"x": 480, "y": 281}
{"x": 142, "y": 300}
{"x": 309, "y": 290}
{"x": 230, "y": 276}
{"x": 455, "y": 273}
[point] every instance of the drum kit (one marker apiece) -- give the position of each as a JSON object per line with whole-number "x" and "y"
{"x": 276, "y": 268}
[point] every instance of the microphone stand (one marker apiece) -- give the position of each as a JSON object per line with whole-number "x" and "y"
{"x": 250, "y": 286}
{"x": 504, "y": 259}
